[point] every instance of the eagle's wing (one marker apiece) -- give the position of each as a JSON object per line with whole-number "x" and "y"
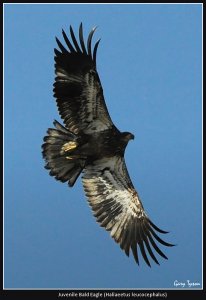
{"x": 117, "y": 207}
{"x": 77, "y": 86}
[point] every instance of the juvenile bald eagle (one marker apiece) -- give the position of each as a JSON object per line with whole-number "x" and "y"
{"x": 92, "y": 145}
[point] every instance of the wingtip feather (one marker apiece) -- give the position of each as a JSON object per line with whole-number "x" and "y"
{"x": 89, "y": 41}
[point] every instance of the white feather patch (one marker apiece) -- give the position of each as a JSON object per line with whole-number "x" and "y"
{"x": 108, "y": 186}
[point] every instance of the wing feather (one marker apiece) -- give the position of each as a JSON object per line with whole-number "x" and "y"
{"x": 81, "y": 38}
{"x": 61, "y": 47}
{"x": 77, "y": 86}
{"x": 89, "y": 41}
{"x": 118, "y": 208}
{"x": 69, "y": 45}
{"x": 74, "y": 39}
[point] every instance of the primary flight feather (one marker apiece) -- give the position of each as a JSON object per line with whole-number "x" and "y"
{"x": 91, "y": 144}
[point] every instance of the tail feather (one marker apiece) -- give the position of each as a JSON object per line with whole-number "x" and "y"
{"x": 57, "y": 153}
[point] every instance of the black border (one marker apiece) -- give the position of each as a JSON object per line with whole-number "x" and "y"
{"x": 79, "y": 294}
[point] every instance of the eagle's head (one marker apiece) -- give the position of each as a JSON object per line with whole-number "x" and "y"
{"x": 127, "y": 136}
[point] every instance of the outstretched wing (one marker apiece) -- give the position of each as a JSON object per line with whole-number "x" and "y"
{"x": 117, "y": 207}
{"x": 77, "y": 86}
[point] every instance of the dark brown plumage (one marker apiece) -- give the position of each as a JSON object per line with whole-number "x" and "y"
{"x": 91, "y": 144}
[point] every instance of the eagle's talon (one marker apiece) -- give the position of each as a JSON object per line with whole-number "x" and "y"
{"x": 69, "y": 146}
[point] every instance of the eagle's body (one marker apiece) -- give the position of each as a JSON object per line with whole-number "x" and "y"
{"x": 92, "y": 145}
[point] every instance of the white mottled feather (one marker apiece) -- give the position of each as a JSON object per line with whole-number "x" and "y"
{"x": 117, "y": 207}
{"x": 104, "y": 181}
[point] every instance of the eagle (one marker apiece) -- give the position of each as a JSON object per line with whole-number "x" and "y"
{"x": 90, "y": 144}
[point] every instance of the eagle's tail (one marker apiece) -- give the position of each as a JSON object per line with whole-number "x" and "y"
{"x": 58, "y": 152}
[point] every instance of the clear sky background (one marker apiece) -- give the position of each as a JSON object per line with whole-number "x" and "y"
{"x": 149, "y": 61}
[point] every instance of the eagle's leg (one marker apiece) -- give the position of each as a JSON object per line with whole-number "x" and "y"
{"x": 69, "y": 146}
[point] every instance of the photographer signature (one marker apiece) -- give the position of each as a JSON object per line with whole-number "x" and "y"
{"x": 187, "y": 283}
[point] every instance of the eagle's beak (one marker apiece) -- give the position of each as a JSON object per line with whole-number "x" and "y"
{"x": 132, "y": 136}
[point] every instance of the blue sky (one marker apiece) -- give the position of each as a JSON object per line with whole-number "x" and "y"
{"x": 149, "y": 61}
